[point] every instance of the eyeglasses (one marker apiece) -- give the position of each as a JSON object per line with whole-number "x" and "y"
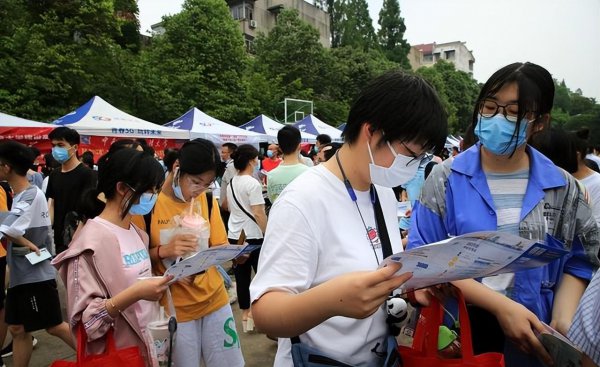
{"x": 489, "y": 108}
{"x": 415, "y": 157}
{"x": 194, "y": 185}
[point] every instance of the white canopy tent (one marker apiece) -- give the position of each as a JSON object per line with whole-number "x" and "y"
{"x": 99, "y": 118}
{"x": 313, "y": 125}
{"x": 14, "y": 121}
{"x": 200, "y": 125}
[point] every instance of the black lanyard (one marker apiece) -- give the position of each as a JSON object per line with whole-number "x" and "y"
{"x": 386, "y": 245}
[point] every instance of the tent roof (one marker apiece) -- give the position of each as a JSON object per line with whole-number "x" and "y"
{"x": 313, "y": 125}
{"x": 201, "y": 125}
{"x": 99, "y": 118}
{"x": 13, "y": 121}
{"x": 266, "y": 125}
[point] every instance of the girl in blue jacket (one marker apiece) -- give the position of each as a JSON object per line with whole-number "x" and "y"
{"x": 502, "y": 184}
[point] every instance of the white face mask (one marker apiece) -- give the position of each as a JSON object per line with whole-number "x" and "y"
{"x": 402, "y": 170}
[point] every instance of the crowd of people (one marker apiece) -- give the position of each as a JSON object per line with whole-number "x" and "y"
{"x": 323, "y": 221}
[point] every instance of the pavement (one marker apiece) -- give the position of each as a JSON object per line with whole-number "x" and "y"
{"x": 258, "y": 350}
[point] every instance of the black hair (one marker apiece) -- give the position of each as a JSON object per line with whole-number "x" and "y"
{"x": 323, "y": 139}
{"x": 592, "y": 165}
{"x": 69, "y": 135}
{"x": 123, "y": 143}
{"x": 288, "y": 138}
{"x": 35, "y": 151}
{"x": 87, "y": 158}
{"x": 198, "y": 156}
{"x": 243, "y": 155}
{"x": 536, "y": 95}
{"x": 330, "y": 149}
{"x": 50, "y": 164}
{"x": 580, "y": 141}
{"x": 170, "y": 157}
{"x": 558, "y": 146}
{"x": 17, "y": 156}
{"x": 428, "y": 168}
{"x": 138, "y": 170}
{"x": 403, "y": 106}
{"x": 231, "y": 146}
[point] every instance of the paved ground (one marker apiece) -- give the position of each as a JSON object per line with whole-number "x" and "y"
{"x": 259, "y": 351}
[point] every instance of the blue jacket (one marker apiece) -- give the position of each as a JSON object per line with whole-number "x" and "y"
{"x": 456, "y": 200}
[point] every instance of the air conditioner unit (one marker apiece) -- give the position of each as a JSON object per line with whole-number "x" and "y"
{"x": 252, "y": 23}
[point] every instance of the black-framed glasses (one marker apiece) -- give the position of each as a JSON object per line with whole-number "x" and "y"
{"x": 490, "y": 108}
{"x": 415, "y": 157}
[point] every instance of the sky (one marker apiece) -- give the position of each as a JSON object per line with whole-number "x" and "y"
{"x": 561, "y": 35}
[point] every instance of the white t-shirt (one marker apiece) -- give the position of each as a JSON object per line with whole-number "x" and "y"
{"x": 248, "y": 191}
{"x": 314, "y": 234}
{"x": 592, "y": 184}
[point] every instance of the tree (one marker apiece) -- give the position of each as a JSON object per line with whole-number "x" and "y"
{"x": 127, "y": 12}
{"x": 199, "y": 61}
{"x": 357, "y": 26}
{"x": 457, "y": 90}
{"x": 562, "y": 98}
{"x": 391, "y": 33}
{"x": 336, "y": 11}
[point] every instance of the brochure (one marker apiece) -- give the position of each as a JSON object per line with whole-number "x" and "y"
{"x": 205, "y": 259}
{"x": 35, "y": 258}
{"x": 562, "y": 351}
{"x": 474, "y": 255}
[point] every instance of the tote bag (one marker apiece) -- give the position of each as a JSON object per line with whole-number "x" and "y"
{"x": 112, "y": 357}
{"x": 424, "y": 351}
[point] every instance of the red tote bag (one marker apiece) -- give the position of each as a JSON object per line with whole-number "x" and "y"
{"x": 424, "y": 351}
{"x": 112, "y": 357}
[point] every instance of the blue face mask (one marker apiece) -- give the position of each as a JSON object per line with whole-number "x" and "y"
{"x": 495, "y": 134}
{"x": 257, "y": 168}
{"x": 147, "y": 201}
{"x": 176, "y": 185}
{"x": 316, "y": 149}
{"x": 60, "y": 154}
{"x": 270, "y": 153}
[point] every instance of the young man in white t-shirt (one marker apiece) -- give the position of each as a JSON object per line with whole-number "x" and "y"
{"x": 289, "y": 139}
{"x": 318, "y": 275}
{"x": 32, "y": 301}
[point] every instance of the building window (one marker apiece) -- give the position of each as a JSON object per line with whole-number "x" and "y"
{"x": 436, "y": 56}
{"x": 249, "y": 12}
{"x": 428, "y": 58}
{"x": 471, "y": 62}
{"x": 450, "y": 54}
{"x": 237, "y": 12}
{"x": 249, "y": 43}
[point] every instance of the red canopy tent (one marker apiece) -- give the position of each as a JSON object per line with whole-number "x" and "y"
{"x": 25, "y": 131}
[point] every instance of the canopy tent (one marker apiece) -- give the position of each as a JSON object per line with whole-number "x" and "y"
{"x": 313, "y": 125}
{"x": 265, "y": 125}
{"x": 342, "y": 127}
{"x": 200, "y": 125}
{"x": 452, "y": 141}
{"x": 25, "y": 131}
{"x": 99, "y": 118}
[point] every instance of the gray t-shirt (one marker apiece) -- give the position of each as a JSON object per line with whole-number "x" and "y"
{"x": 29, "y": 218}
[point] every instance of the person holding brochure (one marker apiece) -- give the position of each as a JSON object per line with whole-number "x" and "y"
{"x": 102, "y": 265}
{"x": 502, "y": 184}
{"x": 318, "y": 276}
{"x": 206, "y": 329}
{"x": 32, "y": 301}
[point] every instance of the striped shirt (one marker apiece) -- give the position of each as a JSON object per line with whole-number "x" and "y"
{"x": 585, "y": 329}
{"x": 508, "y": 191}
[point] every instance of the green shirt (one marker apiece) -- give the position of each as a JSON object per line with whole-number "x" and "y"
{"x": 281, "y": 176}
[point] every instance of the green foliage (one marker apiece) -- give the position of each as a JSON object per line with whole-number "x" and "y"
{"x": 357, "y": 26}
{"x": 391, "y": 33}
{"x": 457, "y": 90}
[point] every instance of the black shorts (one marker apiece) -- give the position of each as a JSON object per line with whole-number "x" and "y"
{"x": 36, "y": 306}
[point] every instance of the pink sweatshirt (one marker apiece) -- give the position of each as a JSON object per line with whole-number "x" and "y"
{"x": 92, "y": 271}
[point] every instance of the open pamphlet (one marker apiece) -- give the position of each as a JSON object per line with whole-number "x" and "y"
{"x": 474, "y": 255}
{"x": 561, "y": 349}
{"x": 203, "y": 260}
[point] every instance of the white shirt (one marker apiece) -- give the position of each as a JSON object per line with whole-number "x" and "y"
{"x": 314, "y": 234}
{"x": 248, "y": 191}
{"x": 592, "y": 184}
{"x": 594, "y": 158}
